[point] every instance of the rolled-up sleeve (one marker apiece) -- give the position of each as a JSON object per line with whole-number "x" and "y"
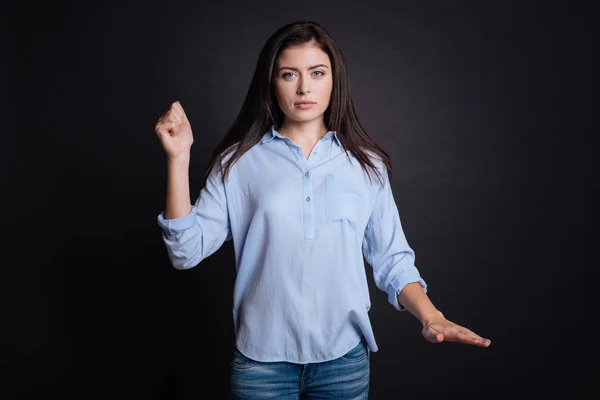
{"x": 386, "y": 249}
{"x": 191, "y": 238}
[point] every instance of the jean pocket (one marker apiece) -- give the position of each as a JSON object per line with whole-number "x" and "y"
{"x": 240, "y": 361}
{"x": 357, "y": 354}
{"x": 343, "y": 201}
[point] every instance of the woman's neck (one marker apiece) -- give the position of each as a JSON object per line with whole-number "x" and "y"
{"x": 303, "y": 133}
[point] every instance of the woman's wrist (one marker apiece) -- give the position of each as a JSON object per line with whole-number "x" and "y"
{"x": 431, "y": 315}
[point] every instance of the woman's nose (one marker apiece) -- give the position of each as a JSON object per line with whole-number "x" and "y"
{"x": 303, "y": 88}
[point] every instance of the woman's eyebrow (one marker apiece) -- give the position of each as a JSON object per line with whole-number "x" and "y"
{"x": 296, "y": 69}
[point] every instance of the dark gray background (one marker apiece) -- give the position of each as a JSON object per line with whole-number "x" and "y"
{"x": 484, "y": 107}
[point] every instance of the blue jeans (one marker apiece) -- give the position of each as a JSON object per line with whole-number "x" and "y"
{"x": 346, "y": 377}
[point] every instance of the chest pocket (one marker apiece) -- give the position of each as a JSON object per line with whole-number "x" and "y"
{"x": 343, "y": 202}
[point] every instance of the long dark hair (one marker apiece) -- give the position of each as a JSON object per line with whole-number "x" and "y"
{"x": 260, "y": 109}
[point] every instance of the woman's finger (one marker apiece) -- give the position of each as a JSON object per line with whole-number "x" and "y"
{"x": 179, "y": 109}
{"x": 174, "y": 115}
{"x": 176, "y": 110}
{"x": 453, "y": 333}
{"x": 468, "y": 332}
{"x": 470, "y": 338}
{"x": 165, "y": 127}
{"x": 184, "y": 118}
{"x": 474, "y": 336}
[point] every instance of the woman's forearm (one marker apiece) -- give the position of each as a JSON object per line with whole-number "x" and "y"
{"x": 416, "y": 301}
{"x": 178, "y": 188}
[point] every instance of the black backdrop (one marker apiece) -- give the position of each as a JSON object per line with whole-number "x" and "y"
{"x": 484, "y": 110}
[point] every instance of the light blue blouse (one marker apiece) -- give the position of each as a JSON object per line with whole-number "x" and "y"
{"x": 300, "y": 228}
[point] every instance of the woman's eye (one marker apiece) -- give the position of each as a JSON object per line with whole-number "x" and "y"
{"x": 320, "y": 72}
{"x": 287, "y": 74}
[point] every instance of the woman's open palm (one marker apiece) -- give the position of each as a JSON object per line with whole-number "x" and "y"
{"x": 175, "y": 132}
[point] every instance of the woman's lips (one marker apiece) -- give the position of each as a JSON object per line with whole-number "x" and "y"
{"x": 304, "y": 105}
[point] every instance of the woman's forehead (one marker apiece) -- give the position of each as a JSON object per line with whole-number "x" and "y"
{"x": 303, "y": 55}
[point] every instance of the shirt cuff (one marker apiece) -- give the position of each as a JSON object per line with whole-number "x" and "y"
{"x": 176, "y": 225}
{"x": 398, "y": 284}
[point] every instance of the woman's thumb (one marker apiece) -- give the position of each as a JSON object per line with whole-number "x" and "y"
{"x": 432, "y": 335}
{"x": 166, "y": 127}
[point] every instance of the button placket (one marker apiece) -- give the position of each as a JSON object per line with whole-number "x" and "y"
{"x": 308, "y": 207}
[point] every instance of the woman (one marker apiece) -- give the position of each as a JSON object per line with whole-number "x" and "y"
{"x": 304, "y": 193}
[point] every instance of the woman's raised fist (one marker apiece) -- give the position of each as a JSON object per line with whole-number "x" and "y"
{"x": 175, "y": 133}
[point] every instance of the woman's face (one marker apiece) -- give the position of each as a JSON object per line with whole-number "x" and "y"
{"x": 303, "y": 74}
